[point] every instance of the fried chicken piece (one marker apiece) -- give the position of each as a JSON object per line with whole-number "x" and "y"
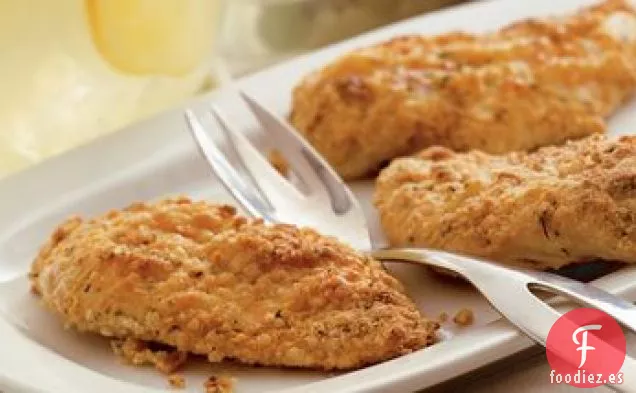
{"x": 533, "y": 83}
{"x": 197, "y": 277}
{"x": 464, "y": 317}
{"x": 138, "y": 353}
{"x": 279, "y": 162}
{"x": 221, "y": 384}
{"x": 556, "y": 206}
{"x": 176, "y": 381}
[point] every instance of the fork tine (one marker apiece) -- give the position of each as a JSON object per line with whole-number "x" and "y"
{"x": 315, "y": 170}
{"x": 275, "y": 188}
{"x": 232, "y": 181}
{"x": 291, "y": 146}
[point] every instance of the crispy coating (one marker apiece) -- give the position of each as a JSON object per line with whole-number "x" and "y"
{"x": 221, "y": 384}
{"x": 556, "y": 206}
{"x": 138, "y": 353}
{"x": 464, "y": 317}
{"x": 176, "y": 381}
{"x": 197, "y": 277}
{"x": 279, "y": 162}
{"x": 533, "y": 83}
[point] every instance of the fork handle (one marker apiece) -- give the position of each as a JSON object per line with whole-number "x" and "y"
{"x": 508, "y": 291}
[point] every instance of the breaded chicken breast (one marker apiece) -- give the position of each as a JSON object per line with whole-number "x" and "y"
{"x": 547, "y": 209}
{"x": 199, "y": 278}
{"x": 533, "y": 83}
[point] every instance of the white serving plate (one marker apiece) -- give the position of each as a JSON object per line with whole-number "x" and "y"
{"x": 156, "y": 158}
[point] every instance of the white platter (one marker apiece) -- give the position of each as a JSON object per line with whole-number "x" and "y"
{"x": 156, "y": 158}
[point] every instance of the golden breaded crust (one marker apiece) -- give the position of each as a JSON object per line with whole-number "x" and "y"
{"x": 534, "y": 83}
{"x": 138, "y": 353}
{"x": 200, "y": 278}
{"x": 547, "y": 209}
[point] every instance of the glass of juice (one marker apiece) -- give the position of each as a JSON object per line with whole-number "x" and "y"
{"x": 76, "y": 69}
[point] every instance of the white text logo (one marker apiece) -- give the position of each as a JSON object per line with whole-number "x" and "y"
{"x": 583, "y": 344}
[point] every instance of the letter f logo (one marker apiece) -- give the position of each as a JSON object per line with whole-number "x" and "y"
{"x": 583, "y": 344}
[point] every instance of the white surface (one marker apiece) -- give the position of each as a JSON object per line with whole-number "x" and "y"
{"x": 156, "y": 158}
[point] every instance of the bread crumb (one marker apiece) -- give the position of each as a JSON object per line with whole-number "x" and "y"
{"x": 138, "y": 353}
{"x": 279, "y": 162}
{"x": 443, "y": 317}
{"x": 35, "y": 291}
{"x": 464, "y": 317}
{"x": 176, "y": 381}
{"x": 221, "y": 384}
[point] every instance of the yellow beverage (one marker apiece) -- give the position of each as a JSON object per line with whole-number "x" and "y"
{"x": 74, "y": 69}
{"x": 165, "y": 37}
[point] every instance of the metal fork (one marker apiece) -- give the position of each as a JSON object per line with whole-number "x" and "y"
{"x": 320, "y": 199}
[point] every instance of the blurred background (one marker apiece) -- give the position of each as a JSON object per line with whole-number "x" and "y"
{"x": 72, "y": 70}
